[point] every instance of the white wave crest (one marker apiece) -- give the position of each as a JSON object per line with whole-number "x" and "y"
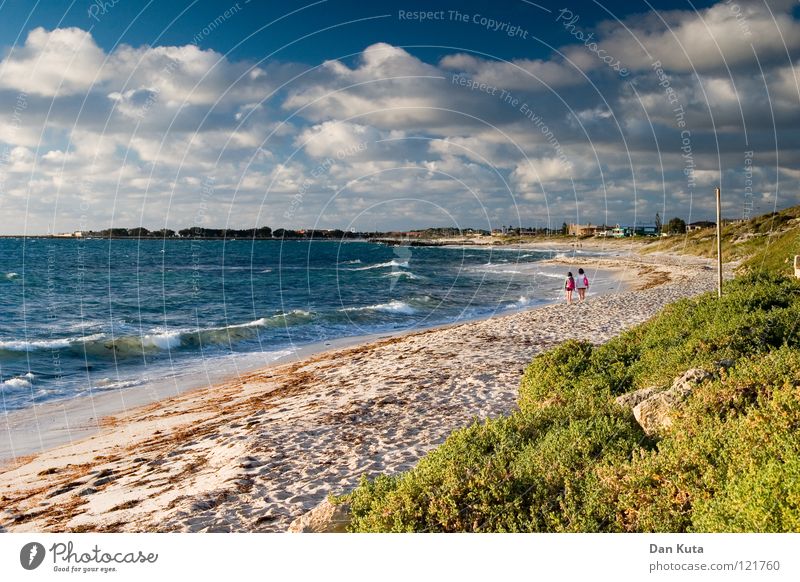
{"x": 523, "y": 301}
{"x": 392, "y": 263}
{"x": 16, "y": 384}
{"x": 399, "y": 274}
{"x": 394, "y": 306}
{"x": 54, "y": 344}
{"x": 163, "y": 341}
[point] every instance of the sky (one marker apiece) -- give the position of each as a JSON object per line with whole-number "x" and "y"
{"x": 394, "y": 115}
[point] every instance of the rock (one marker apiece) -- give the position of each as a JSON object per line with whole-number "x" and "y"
{"x": 324, "y": 518}
{"x": 684, "y": 384}
{"x": 631, "y": 399}
{"x": 655, "y": 413}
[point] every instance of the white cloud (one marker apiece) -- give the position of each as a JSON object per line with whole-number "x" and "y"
{"x": 524, "y": 74}
{"x": 337, "y": 139}
{"x": 65, "y": 61}
{"x": 704, "y": 40}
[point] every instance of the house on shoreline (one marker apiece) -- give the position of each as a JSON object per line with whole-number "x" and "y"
{"x": 615, "y": 232}
{"x": 700, "y": 225}
{"x": 586, "y": 230}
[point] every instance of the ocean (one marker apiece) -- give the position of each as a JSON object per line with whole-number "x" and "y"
{"x": 79, "y": 317}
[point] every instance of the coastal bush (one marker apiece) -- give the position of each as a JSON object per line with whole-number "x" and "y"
{"x": 533, "y": 471}
{"x": 757, "y": 313}
{"x": 554, "y": 373}
{"x": 730, "y": 461}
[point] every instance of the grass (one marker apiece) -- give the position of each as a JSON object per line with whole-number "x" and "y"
{"x": 766, "y": 243}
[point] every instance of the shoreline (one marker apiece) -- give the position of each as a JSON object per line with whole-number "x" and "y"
{"x": 255, "y": 452}
{"x": 29, "y": 431}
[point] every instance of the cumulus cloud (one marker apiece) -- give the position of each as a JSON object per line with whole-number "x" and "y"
{"x": 524, "y": 74}
{"x": 64, "y": 61}
{"x": 719, "y": 38}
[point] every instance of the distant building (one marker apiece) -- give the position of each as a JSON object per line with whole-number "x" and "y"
{"x": 700, "y": 225}
{"x": 637, "y": 230}
{"x": 584, "y": 229}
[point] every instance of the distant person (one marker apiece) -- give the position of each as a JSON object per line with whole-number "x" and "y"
{"x": 569, "y": 286}
{"x": 582, "y": 284}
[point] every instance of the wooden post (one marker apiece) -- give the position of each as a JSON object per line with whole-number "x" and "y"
{"x": 719, "y": 244}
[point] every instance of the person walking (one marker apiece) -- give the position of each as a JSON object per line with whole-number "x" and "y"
{"x": 569, "y": 287}
{"x": 581, "y": 284}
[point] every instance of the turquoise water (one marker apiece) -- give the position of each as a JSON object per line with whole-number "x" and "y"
{"x": 79, "y": 316}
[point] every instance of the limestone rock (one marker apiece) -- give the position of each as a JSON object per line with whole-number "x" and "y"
{"x": 324, "y": 518}
{"x": 684, "y": 384}
{"x": 631, "y": 399}
{"x": 655, "y": 413}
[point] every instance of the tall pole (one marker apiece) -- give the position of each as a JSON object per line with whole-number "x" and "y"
{"x": 719, "y": 244}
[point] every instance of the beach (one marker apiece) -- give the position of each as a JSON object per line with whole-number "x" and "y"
{"x": 255, "y": 452}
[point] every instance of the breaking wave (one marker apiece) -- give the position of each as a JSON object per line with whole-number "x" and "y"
{"x": 159, "y": 340}
{"x": 392, "y": 263}
{"x": 391, "y": 307}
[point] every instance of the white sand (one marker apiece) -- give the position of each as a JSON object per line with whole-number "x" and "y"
{"x": 252, "y": 454}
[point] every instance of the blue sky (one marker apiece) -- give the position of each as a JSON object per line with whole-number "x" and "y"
{"x": 138, "y": 22}
{"x": 359, "y": 115}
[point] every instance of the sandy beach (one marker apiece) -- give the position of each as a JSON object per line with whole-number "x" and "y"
{"x": 253, "y": 453}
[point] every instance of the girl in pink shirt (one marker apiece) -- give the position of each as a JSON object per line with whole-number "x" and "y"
{"x": 569, "y": 286}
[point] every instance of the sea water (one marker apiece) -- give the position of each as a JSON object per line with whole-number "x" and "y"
{"x": 86, "y": 316}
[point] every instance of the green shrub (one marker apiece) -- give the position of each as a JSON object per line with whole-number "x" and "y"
{"x": 554, "y": 373}
{"x": 532, "y": 471}
{"x": 718, "y": 468}
{"x": 757, "y": 313}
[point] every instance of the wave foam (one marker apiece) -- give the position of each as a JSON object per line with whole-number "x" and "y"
{"x": 392, "y": 263}
{"x": 398, "y": 274}
{"x": 16, "y": 384}
{"x": 523, "y": 301}
{"x": 392, "y": 307}
{"x": 54, "y": 344}
{"x": 550, "y": 275}
{"x": 159, "y": 339}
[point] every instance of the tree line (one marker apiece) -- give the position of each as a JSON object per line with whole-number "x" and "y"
{"x": 199, "y": 232}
